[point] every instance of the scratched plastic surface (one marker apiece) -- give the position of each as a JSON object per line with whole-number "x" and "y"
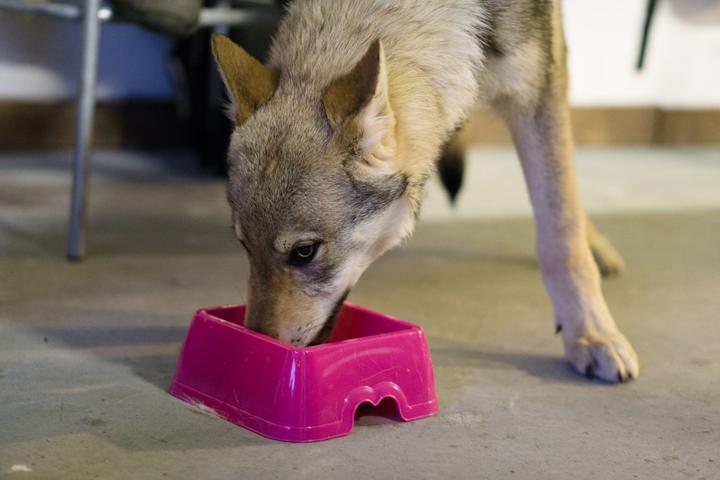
{"x": 304, "y": 394}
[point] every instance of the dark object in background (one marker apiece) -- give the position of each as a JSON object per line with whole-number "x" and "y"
{"x": 201, "y": 98}
{"x": 649, "y": 15}
{"x": 174, "y": 17}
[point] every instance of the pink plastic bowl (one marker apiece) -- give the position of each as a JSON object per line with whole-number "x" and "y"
{"x": 304, "y": 394}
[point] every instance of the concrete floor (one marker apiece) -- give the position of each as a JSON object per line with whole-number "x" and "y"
{"x": 87, "y": 350}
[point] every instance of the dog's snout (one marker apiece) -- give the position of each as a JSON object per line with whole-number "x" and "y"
{"x": 284, "y": 311}
{"x": 260, "y": 321}
{"x": 297, "y": 329}
{"x": 252, "y": 321}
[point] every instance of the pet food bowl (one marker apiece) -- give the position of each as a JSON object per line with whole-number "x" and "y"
{"x": 304, "y": 394}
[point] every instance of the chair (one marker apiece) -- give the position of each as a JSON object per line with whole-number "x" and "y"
{"x": 92, "y": 15}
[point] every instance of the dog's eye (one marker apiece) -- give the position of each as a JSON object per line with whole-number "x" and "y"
{"x": 303, "y": 254}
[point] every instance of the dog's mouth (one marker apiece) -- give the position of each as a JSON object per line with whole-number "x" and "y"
{"x": 329, "y": 324}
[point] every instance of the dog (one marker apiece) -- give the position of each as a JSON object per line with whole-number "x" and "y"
{"x": 358, "y": 104}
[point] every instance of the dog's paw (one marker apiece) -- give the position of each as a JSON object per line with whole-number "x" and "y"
{"x": 609, "y": 357}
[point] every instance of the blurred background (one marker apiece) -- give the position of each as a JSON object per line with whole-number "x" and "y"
{"x": 162, "y": 78}
{"x": 138, "y": 68}
{"x": 88, "y": 348}
{"x": 643, "y": 74}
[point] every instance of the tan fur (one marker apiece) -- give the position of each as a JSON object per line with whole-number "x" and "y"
{"x": 249, "y": 82}
{"x": 335, "y": 148}
{"x": 352, "y": 91}
{"x": 541, "y": 131}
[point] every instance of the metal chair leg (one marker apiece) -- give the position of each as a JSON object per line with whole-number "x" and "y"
{"x": 649, "y": 15}
{"x": 83, "y": 138}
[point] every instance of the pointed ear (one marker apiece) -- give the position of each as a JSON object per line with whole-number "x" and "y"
{"x": 249, "y": 82}
{"x": 360, "y": 98}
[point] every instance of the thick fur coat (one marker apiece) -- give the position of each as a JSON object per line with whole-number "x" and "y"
{"x": 338, "y": 132}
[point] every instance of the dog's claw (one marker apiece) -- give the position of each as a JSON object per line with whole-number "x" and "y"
{"x": 607, "y": 357}
{"x": 558, "y": 328}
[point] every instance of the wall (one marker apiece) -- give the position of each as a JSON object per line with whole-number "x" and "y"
{"x": 39, "y": 57}
{"x": 682, "y": 65}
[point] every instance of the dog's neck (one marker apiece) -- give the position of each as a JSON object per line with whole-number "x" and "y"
{"x": 431, "y": 82}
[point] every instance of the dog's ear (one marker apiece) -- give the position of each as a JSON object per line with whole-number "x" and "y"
{"x": 358, "y": 103}
{"x": 249, "y": 82}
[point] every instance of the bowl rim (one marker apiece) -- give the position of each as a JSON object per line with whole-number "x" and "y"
{"x": 406, "y": 327}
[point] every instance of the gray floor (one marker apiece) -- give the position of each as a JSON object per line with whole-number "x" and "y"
{"x": 87, "y": 350}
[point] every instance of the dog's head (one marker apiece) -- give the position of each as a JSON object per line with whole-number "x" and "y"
{"x": 314, "y": 185}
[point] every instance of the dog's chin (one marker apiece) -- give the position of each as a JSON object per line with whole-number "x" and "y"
{"x": 324, "y": 332}
{"x": 327, "y": 328}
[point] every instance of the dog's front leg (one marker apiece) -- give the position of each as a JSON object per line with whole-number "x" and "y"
{"x": 593, "y": 343}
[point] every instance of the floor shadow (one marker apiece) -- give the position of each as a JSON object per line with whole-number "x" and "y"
{"x": 151, "y": 353}
{"x": 549, "y": 368}
{"x": 465, "y": 256}
{"x": 155, "y": 369}
{"x": 112, "y": 335}
{"x": 386, "y": 411}
{"x": 154, "y": 359}
{"x": 23, "y": 242}
{"x": 145, "y": 234}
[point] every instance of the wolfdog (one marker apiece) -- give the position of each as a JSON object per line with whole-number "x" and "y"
{"x": 359, "y": 102}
